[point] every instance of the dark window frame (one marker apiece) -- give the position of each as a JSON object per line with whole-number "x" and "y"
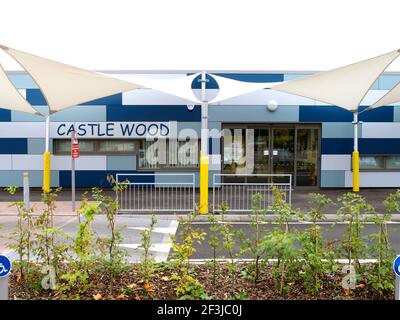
{"x": 384, "y": 169}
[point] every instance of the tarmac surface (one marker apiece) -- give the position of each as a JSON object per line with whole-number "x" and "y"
{"x": 133, "y": 224}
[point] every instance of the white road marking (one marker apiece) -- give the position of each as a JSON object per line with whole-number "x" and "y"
{"x": 160, "y": 250}
{"x": 167, "y": 230}
{"x": 157, "y": 247}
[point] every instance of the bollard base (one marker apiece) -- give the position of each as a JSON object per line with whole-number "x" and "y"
{"x": 4, "y": 288}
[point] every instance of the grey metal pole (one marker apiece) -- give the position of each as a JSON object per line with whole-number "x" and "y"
{"x": 26, "y": 191}
{"x": 4, "y": 288}
{"x": 73, "y": 183}
{"x": 204, "y": 116}
{"x": 397, "y": 289}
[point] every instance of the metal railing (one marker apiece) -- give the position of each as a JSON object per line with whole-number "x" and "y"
{"x": 237, "y": 190}
{"x": 160, "y": 192}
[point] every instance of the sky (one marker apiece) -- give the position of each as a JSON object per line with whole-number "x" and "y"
{"x": 284, "y": 35}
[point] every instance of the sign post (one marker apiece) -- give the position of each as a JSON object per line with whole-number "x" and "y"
{"x": 74, "y": 155}
{"x": 396, "y": 269}
{"x": 5, "y": 269}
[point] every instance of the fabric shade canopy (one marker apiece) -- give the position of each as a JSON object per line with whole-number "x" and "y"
{"x": 390, "y": 97}
{"x": 180, "y": 87}
{"x": 229, "y": 88}
{"x": 10, "y": 98}
{"x": 344, "y": 87}
{"x": 64, "y": 86}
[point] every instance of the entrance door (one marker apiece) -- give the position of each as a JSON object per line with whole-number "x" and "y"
{"x": 273, "y": 149}
{"x": 282, "y": 152}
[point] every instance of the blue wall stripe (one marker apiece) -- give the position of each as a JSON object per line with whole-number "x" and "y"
{"x": 365, "y": 146}
{"x": 247, "y": 77}
{"x": 35, "y": 97}
{"x": 336, "y": 114}
{"x": 253, "y": 77}
{"x": 152, "y": 113}
{"x": 86, "y": 178}
{"x": 5, "y": 115}
{"x": 13, "y": 145}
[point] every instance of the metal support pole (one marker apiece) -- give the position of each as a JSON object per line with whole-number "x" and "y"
{"x": 73, "y": 183}
{"x": 26, "y": 191}
{"x": 204, "y": 147}
{"x": 356, "y": 156}
{"x": 46, "y": 158}
{"x": 397, "y": 289}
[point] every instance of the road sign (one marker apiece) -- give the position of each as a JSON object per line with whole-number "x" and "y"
{"x": 396, "y": 266}
{"x": 5, "y": 266}
{"x": 74, "y": 146}
{"x": 75, "y": 151}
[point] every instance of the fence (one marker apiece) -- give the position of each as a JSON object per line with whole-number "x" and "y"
{"x": 237, "y": 190}
{"x": 161, "y": 192}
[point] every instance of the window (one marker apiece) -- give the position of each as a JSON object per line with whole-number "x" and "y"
{"x": 164, "y": 153}
{"x": 380, "y": 162}
{"x": 117, "y": 146}
{"x": 93, "y": 146}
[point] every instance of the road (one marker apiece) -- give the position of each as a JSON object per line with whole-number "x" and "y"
{"x": 132, "y": 226}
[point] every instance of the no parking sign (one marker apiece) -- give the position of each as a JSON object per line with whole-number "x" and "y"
{"x": 396, "y": 269}
{"x": 5, "y": 269}
{"x": 396, "y": 266}
{"x": 5, "y": 266}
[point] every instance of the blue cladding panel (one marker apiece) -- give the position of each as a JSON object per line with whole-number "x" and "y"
{"x": 22, "y": 81}
{"x": 253, "y": 77}
{"x": 115, "y": 99}
{"x": 324, "y": 114}
{"x": 152, "y": 113}
{"x": 35, "y": 97}
{"x": 13, "y": 146}
{"x": 336, "y": 114}
{"x": 96, "y": 178}
{"x": 332, "y": 179}
{"x": 247, "y": 77}
{"x": 365, "y": 146}
{"x": 5, "y": 115}
{"x": 337, "y": 145}
{"x": 384, "y": 114}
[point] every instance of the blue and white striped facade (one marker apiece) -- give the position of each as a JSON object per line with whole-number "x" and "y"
{"x": 22, "y": 135}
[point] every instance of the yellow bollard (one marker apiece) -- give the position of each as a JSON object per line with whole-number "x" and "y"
{"x": 46, "y": 172}
{"x": 356, "y": 171}
{"x": 204, "y": 184}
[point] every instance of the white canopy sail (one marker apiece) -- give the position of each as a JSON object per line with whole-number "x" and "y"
{"x": 64, "y": 86}
{"x": 10, "y": 98}
{"x": 180, "y": 87}
{"x": 344, "y": 87}
{"x": 229, "y": 88}
{"x": 390, "y": 97}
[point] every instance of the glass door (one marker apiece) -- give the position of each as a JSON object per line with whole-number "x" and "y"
{"x": 307, "y": 156}
{"x": 262, "y": 151}
{"x": 283, "y": 152}
{"x": 272, "y": 149}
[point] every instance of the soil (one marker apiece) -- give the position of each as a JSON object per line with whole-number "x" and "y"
{"x": 128, "y": 285}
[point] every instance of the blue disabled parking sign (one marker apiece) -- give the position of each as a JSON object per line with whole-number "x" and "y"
{"x": 5, "y": 266}
{"x": 396, "y": 266}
